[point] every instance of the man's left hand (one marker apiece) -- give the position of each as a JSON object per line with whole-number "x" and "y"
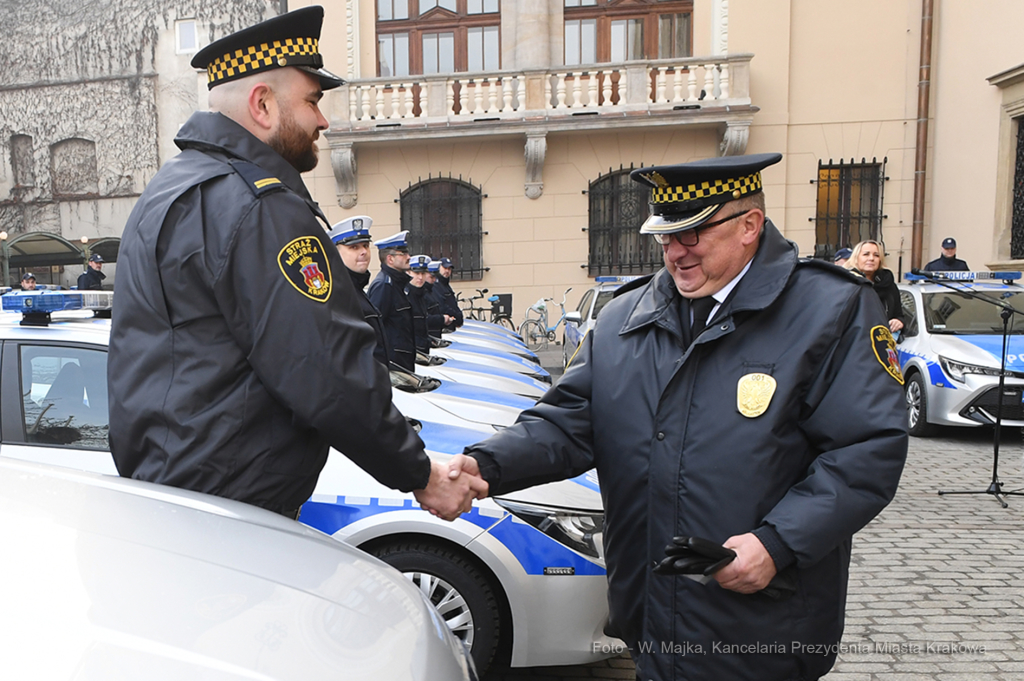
{"x": 752, "y": 568}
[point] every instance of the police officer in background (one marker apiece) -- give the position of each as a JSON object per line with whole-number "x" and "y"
{"x": 427, "y": 320}
{"x": 387, "y": 293}
{"x": 947, "y": 262}
{"x": 238, "y": 352}
{"x": 445, "y": 296}
{"x": 438, "y": 322}
{"x": 352, "y": 238}
{"x": 92, "y": 278}
{"x": 712, "y": 399}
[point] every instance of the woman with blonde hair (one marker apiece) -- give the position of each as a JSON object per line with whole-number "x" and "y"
{"x": 867, "y": 260}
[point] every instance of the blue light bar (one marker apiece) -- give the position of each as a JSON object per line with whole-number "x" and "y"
{"x": 42, "y": 302}
{"x": 964, "y": 276}
{"x": 621, "y": 279}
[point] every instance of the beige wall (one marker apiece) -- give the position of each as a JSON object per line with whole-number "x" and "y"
{"x": 833, "y": 80}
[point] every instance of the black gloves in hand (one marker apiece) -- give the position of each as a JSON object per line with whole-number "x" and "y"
{"x": 694, "y": 556}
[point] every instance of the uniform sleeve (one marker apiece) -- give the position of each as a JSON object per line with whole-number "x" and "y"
{"x": 293, "y": 310}
{"x": 861, "y": 459}
{"x": 552, "y": 440}
{"x": 380, "y": 295}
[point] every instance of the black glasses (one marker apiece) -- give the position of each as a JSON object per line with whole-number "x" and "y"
{"x": 691, "y": 237}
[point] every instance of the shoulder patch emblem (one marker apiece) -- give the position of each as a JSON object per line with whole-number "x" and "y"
{"x": 754, "y": 393}
{"x": 885, "y": 350}
{"x": 304, "y": 264}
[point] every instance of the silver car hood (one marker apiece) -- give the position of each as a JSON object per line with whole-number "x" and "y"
{"x": 109, "y": 578}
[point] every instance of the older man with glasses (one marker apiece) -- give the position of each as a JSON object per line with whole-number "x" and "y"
{"x": 708, "y": 397}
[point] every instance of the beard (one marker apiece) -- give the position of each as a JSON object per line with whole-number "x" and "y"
{"x": 294, "y": 144}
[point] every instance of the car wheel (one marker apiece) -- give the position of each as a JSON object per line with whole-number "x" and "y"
{"x": 458, "y": 590}
{"x": 917, "y": 407}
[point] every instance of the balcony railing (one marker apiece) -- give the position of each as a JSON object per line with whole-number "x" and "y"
{"x": 637, "y": 86}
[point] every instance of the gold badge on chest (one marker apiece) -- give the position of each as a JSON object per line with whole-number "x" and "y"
{"x": 754, "y": 394}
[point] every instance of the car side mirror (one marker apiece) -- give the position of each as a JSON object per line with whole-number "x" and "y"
{"x": 574, "y": 317}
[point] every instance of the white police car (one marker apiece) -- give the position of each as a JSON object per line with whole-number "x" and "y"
{"x": 579, "y": 322}
{"x": 951, "y": 347}
{"x": 482, "y": 376}
{"x": 115, "y": 579}
{"x": 492, "y": 358}
{"x": 526, "y": 571}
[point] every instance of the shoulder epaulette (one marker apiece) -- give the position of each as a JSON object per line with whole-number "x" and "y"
{"x": 834, "y": 269}
{"x": 630, "y": 285}
{"x": 258, "y": 180}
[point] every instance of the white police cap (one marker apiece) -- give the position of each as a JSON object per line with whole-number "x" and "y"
{"x": 393, "y": 241}
{"x": 351, "y": 231}
{"x": 419, "y": 262}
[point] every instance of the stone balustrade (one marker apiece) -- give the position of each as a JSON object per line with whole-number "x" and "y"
{"x": 657, "y": 85}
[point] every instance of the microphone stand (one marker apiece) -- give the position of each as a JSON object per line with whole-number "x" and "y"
{"x": 1006, "y": 312}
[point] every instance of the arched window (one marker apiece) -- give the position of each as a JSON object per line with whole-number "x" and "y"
{"x": 443, "y": 217}
{"x": 618, "y": 206}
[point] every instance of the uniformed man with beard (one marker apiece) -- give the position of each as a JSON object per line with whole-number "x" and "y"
{"x": 352, "y": 239}
{"x": 238, "y": 352}
{"x": 740, "y": 396}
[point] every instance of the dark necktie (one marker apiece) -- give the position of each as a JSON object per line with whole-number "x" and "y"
{"x": 701, "y": 308}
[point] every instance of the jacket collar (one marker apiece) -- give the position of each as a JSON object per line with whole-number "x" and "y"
{"x": 398, "y": 277}
{"x": 211, "y": 131}
{"x": 768, "y": 275}
{"x": 359, "y": 279}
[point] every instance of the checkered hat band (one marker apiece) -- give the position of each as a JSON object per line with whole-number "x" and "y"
{"x": 706, "y": 190}
{"x": 259, "y": 57}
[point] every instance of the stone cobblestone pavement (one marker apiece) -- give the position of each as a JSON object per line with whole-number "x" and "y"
{"x": 936, "y": 582}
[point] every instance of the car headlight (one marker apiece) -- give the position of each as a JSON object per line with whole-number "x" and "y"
{"x": 958, "y": 370}
{"x": 581, "y": 531}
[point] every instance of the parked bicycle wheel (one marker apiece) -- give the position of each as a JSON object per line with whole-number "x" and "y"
{"x": 505, "y": 321}
{"x": 534, "y": 335}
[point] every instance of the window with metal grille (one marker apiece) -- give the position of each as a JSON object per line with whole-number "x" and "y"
{"x": 1017, "y": 224}
{"x": 849, "y": 204}
{"x": 618, "y": 206}
{"x": 443, "y": 216}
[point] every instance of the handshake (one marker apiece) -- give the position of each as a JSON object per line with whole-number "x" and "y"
{"x": 452, "y": 487}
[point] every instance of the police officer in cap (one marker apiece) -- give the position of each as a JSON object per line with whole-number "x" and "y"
{"x": 947, "y": 262}
{"x": 427, "y": 319}
{"x": 387, "y": 293}
{"x": 352, "y": 238}
{"x": 238, "y": 350}
{"x": 92, "y": 278}
{"x": 714, "y": 400}
{"x": 445, "y": 296}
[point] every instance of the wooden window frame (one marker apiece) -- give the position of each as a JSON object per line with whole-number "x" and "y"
{"x": 606, "y": 11}
{"x": 439, "y": 20}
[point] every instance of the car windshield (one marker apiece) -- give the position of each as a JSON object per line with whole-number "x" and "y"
{"x": 603, "y": 298}
{"x": 955, "y": 313}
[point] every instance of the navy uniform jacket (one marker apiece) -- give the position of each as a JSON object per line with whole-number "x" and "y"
{"x": 418, "y": 299}
{"x": 815, "y": 453}
{"x": 372, "y": 316}
{"x": 91, "y": 280}
{"x": 387, "y": 293}
{"x": 238, "y": 352}
{"x": 446, "y": 300}
{"x": 944, "y": 264}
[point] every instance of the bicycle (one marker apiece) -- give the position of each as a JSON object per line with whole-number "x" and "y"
{"x": 535, "y": 331}
{"x": 478, "y": 313}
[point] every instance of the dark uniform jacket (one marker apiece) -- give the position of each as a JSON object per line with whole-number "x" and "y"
{"x": 418, "y": 299}
{"x": 944, "y": 264}
{"x": 446, "y": 300}
{"x": 91, "y": 280}
{"x": 885, "y": 286}
{"x": 238, "y": 351}
{"x": 435, "y": 318}
{"x": 811, "y": 464}
{"x": 387, "y": 293}
{"x": 371, "y": 314}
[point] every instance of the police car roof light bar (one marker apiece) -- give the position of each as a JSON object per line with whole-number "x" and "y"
{"x": 918, "y": 275}
{"x": 36, "y": 306}
{"x": 619, "y": 279}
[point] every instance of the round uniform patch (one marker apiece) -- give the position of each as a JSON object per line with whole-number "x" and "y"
{"x": 885, "y": 350}
{"x": 304, "y": 264}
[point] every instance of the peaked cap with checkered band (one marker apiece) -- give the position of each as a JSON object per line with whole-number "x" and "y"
{"x": 687, "y": 195}
{"x": 291, "y": 39}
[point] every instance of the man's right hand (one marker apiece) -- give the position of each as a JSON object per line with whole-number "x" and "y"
{"x": 448, "y": 496}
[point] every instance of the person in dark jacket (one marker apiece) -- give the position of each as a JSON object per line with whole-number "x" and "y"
{"x": 417, "y": 295}
{"x": 735, "y": 425}
{"x": 92, "y": 278}
{"x": 237, "y": 355}
{"x": 947, "y": 262}
{"x": 387, "y": 293}
{"x": 352, "y": 238}
{"x": 867, "y": 260}
{"x": 445, "y": 296}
